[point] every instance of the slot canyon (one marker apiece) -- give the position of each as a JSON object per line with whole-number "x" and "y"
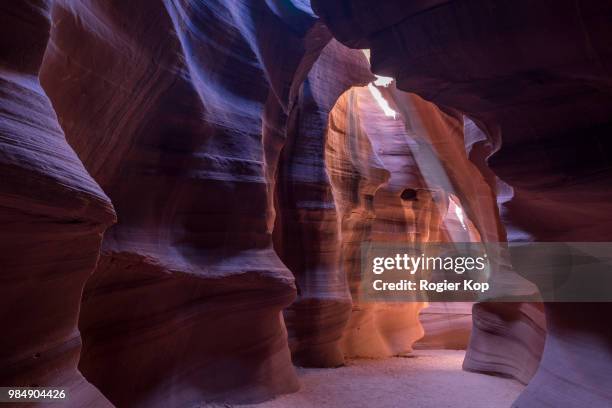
{"x": 189, "y": 188}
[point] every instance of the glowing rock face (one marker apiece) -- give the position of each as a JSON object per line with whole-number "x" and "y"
{"x": 357, "y": 174}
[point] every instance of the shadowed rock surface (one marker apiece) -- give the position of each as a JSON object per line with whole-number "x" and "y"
{"x": 306, "y": 231}
{"x": 164, "y": 103}
{"x": 53, "y": 215}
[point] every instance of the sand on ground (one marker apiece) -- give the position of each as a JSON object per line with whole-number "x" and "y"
{"x": 432, "y": 378}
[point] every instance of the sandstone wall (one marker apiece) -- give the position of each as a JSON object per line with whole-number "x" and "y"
{"x": 53, "y": 215}
{"x": 537, "y": 83}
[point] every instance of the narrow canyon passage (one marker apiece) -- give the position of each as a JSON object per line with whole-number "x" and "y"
{"x": 226, "y": 202}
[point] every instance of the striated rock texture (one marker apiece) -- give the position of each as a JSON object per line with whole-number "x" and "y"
{"x": 434, "y": 159}
{"x": 537, "y": 82}
{"x": 166, "y": 103}
{"x": 504, "y": 334}
{"x": 248, "y": 155}
{"x": 306, "y": 230}
{"x": 439, "y": 142}
{"x": 53, "y": 215}
{"x": 182, "y": 113}
{"x": 447, "y": 325}
{"x": 499, "y": 327}
{"x": 382, "y": 188}
{"x": 360, "y": 180}
{"x": 408, "y": 138}
{"x": 379, "y": 329}
{"x": 506, "y": 339}
{"x": 356, "y": 173}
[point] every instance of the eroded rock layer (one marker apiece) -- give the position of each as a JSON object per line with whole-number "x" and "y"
{"x": 306, "y": 231}
{"x": 53, "y": 215}
{"x": 503, "y": 331}
{"x": 411, "y": 140}
{"x": 165, "y": 103}
{"x": 359, "y": 176}
{"x": 538, "y": 83}
{"x": 248, "y": 156}
{"x": 447, "y": 325}
{"x": 356, "y": 174}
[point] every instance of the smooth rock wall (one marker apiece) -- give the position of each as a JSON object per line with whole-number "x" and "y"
{"x": 53, "y": 215}
{"x": 166, "y": 103}
{"x": 306, "y": 233}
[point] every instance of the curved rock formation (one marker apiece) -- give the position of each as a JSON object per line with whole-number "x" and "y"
{"x": 53, "y": 216}
{"x": 447, "y": 325}
{"x": 499, "y": 327}
{"x": 367, "y": 190}
{"x": 165, "y": 104}
{"x": 548, "y": 137}
{"x": 306, "y": 231}
{"x": 356, "y": 173}
{"x": 439, "y": 169}
{"x": 411, "y": 206}
{"x": 249, "y": 154}
{"x": 381, "y": 329}
{"x": 505, "y": 334}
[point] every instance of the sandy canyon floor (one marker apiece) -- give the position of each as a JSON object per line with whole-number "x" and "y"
{"x": 431, "y": 378}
